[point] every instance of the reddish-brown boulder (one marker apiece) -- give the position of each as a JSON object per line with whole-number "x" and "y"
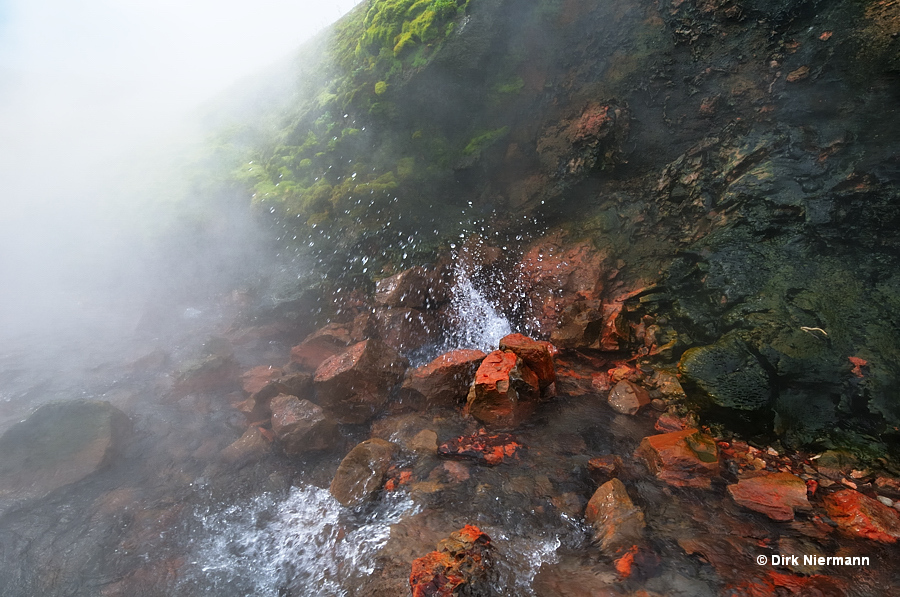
{"x": 407, "y": 289}
{"x": 460, "y": 566}
{"x": 404, "y": 329}
{"x": 617, "y": 522}
{"x": 535, "y": 354}
{"x": 322, "y": 344}
{"x": 257, "y": 378}
{"x": 443, "y": 382}
{"x": 505, "y": 391}
{"x": 481, "y": 447}
{"x": 777, "y": 495}
{"x": 361, "y": 472}
{"x": 250, "y": 446}
{"x": 354, "y": 385}
{"x": 301, "y": 426}
{"x": 215, "y": 373}
{"x": 628, "y": 398}
{"x": 682, "y": 458}
{"x": 861, "y": 516}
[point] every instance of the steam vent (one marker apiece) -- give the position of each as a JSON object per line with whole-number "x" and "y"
{"x": 467, "y": 298}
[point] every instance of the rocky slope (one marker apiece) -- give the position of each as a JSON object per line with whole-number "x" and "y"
{"x": 737, "y": 160}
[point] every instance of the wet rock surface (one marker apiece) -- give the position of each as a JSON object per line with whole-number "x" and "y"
{"x": 361, "y": 472}
{"x": 505, "y": 390}
{"x": 460, "y": 566}
{"x": 443, "y": 382}
{"x": 776, "y": 495}
{"x": 301, "y": 426}
{"x": 353, "y": 386}
{"x": 59, "y": 444}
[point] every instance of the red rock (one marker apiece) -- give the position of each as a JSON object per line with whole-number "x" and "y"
{"x": 858, "y": 364}
{"x": 682, "y": 458}
{"x": 505, "y": 391}
{"x": 625, "y": 563}
{"x": 354, "y": 386}
{"x": 536, "y": 356}
{"x": 443, "y": 382}
{"x": 615, "y": 333}
{"x": 460, "y": 566}
{"x": 361, "y": 472}
{"x": 777, "y": 495}
{"x": 321, "y": 344}
{"x": 604, "y": 468}
{"x": 861, "y": 516}
{"x": 481, "y": 447}
{"x": 257, "y": 378}
{"x": 627, "y": 398}
{"x": 624, "y": 371}
{"x": 617, "y": 522}
{"x": 301, "y": 426}
{"x": 798, "y": 74}
{"x": 667, "y": 423}
{"x": 408, "y": 289}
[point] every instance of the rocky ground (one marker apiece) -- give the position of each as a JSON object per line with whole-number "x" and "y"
{"x": 563, "y": 467}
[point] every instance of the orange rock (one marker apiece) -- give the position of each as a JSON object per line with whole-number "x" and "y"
{"x": 861, "y": 516}
{"x": 682, "y": 458}
{"x": 625, "y": 563}
{"x": 776, "y": 495}
{"x": 461, "y": 565}
{"x": 534, "y": 354}
{"x": 616, "y": 520}
{"x": 505, "y": 391}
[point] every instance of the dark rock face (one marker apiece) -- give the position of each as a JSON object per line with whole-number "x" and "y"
{"x": 60, "y": 443}
{"x": 361, "y": 472}
{"x": 730, "y": 377}
{"x": 354, "y": 385}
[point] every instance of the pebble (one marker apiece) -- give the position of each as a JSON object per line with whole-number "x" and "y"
{"x": 885, "y": 500}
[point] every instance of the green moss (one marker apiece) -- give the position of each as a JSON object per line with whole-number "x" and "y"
{"x": 380, "y": 87}
{"x": 481, "y": 142}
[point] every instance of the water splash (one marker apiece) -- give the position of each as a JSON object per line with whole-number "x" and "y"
{"x": 476, "y": 322}
{"x": 306, "y": 544}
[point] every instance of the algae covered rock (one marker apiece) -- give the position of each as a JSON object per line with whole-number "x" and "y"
{"x": 728, "y": 377}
